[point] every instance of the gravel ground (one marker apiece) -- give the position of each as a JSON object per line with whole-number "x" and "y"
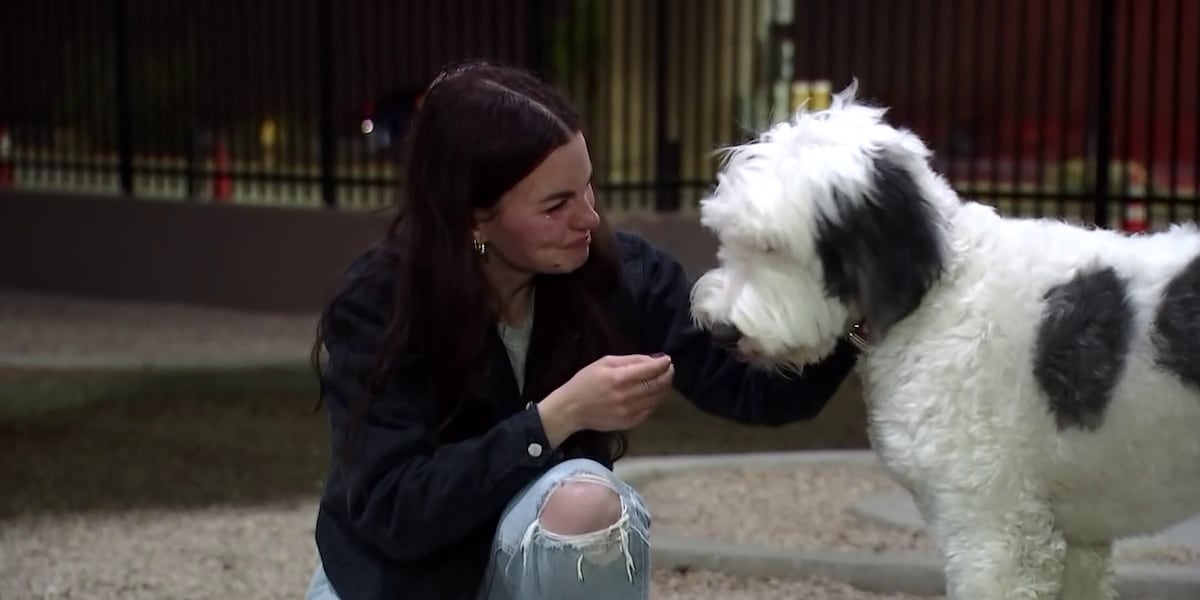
{"x": 265, "y": 552}
{"x": 33, "y": 324}
{"x": 261, "y": 553}
{"x": 804, "y": 508}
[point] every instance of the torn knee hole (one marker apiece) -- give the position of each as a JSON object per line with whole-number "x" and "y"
{"x": 580, "y": 505}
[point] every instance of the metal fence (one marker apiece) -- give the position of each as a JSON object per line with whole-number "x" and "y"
{"x": 301, "y": 102}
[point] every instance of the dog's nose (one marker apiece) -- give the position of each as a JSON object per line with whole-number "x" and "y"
{"x": 725, "y": 334}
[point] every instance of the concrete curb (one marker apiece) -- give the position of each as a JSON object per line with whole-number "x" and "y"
{"x": 892, "y": 572}
{"x": 895, "y": 509}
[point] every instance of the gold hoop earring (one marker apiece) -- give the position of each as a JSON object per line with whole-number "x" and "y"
{"x": 480, "y": 248}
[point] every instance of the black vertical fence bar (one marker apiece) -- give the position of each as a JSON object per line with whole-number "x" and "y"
{"x": 1126, "y": 112}
{"x": 625, "y": 58}
{"x": 70, "y": 76}
{"x": 709, "y": 89}
{"x": 1103, "y": 124}
{"x": 849, "y": 33}
{"x": 735, "y": 13}
{"x": 1176, "y": 73}
{"x": 1021, "y": 94}
{"x": 655, "y": 119}
{"x": 124, "y": 124}
{"x": 1043, "y": 103}
{"x": 1065, "y": 112}
{"x": 231, "y": 81}
{"x": 1151, "y": 123}
{"x": 950, "y": 67}
{"x": 325, "y": 108}
{"x": 1088, "y": 136}
{"x": 998, "y": 94}
{"x": 429, "y": 69}
{"x": 695, "y": 43}
{"x": 909, "y": 92}
{"x": 102, "y": 126}
{"x": 1064, "y": 106}
{"x": 755, "y": 71}
{"x": 889, "y": 43}
{"x": 384, "y": 82}
{"x": 191, "y": 150}
{"x": 73, "y": 77}
{"x": 264, "y": 151}
{"x": 721, "y": 87}
{"x": 931, "y": 15}
{"x": 976, "y": 98}
{"x": 361, "y": 31}
{"x": 152, "y": 141}
{"x": 667, "y": 151}
{"x": 1195, "y": 199}
{"x": 281, "y": 103}
{"x": 300, "y": 103}
{"x": 536, "y": 27}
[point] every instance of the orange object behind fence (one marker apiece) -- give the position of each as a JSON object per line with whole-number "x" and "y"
{"x": 222, "y": 190}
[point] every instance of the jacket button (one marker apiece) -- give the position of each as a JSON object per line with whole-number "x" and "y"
{"x": 535, "y": 450}
{"x": 528, "y": 405}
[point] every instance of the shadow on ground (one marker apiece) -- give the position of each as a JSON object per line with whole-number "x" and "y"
{"x": 171, "y": 449}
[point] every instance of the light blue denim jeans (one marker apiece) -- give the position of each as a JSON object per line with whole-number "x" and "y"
{"x": 530, "y": 563}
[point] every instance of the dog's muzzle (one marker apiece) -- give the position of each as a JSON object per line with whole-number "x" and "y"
{"x": 725, "y": 334}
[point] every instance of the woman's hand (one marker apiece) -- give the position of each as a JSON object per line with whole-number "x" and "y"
{"x": 614, "y": 393}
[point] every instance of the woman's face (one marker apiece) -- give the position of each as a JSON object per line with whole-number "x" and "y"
{"x": 544, "y": 223}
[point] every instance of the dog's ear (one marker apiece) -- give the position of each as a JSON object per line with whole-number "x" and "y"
{"x": 846, "y": 96}
{"x": 883, "y": 250}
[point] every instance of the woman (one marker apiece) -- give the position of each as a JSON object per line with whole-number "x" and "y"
{"x": 483, "y": 360}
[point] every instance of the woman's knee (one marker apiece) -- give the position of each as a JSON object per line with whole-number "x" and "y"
{"x": 581, "y": 503}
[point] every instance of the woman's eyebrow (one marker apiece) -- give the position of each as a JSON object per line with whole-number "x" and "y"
{"x": 565, "y": 194}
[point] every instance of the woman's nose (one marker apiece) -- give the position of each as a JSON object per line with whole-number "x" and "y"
{"x": 586, "y": 216}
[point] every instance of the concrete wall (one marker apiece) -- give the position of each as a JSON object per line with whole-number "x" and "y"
{"x": 259, "y": 258}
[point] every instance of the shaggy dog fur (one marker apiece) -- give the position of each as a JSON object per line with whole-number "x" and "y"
{"x": 1035, "y": 385}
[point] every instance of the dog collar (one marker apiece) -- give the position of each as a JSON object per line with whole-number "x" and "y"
{"x": 858, "y": 336}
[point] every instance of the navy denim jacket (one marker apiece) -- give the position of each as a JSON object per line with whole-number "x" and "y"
{"x": 416, "y": 519}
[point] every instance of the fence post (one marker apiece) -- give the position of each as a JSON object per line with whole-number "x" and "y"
{"x": 666, "y": 152}
{"x": 120, "y": 32}
{"x": 535, "y": 36}
{"x": 325, "y": 103}
{"x": 1104, "y": 103}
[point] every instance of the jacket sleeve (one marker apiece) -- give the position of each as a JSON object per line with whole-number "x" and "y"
{"x": 405, "y": 493}
{"x": 713, "y": 378}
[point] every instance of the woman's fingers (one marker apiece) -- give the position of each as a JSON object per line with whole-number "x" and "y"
{"x": 652, "y": 391}
{"x": 644, "y": 370}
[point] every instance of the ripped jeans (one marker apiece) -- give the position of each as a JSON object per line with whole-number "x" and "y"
{"x": 530, "y": 563}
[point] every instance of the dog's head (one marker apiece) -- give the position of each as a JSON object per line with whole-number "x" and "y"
{"x": 824, "y": 220}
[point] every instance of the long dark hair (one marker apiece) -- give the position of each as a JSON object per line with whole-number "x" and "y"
{"x": 480, "y": 130}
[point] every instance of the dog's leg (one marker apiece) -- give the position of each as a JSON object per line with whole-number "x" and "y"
{"x": 1088, "y": 574}
{"x": 998, "y": 545}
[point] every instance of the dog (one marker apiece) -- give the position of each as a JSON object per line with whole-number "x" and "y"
{"x": 1034, "y": 384}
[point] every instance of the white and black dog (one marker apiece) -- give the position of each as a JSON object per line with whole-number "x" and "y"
{"x": 1034, "y": 384}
